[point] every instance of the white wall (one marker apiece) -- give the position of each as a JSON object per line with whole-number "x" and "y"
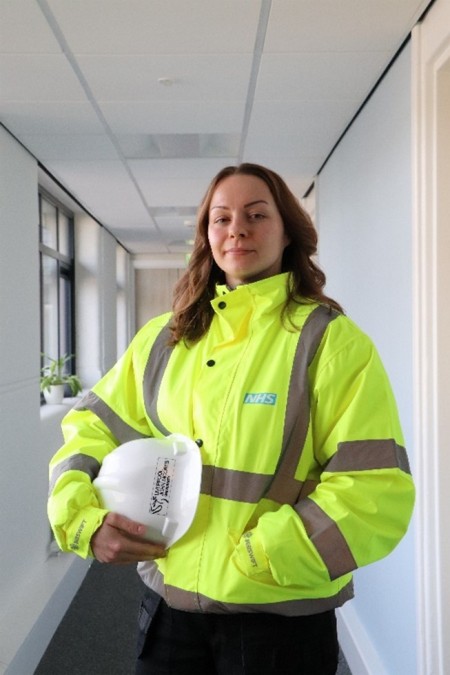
{"x": 105, "y": 314}
{"x": 126, "y": 304}
{"x": 23, "y": 476}
{"x": 36, "y": 587}
{"x": 154, "y": 292}
{"x": 364, "y": 212}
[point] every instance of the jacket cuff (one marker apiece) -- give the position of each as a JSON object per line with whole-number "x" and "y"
{"x": 81, "y": 530}
{"x": 249, "y": 555}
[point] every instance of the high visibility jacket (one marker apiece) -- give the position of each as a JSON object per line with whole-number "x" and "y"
{"x": 304, "y": 478}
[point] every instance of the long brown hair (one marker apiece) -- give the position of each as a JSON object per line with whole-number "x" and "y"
{"x": 196, "y": 288}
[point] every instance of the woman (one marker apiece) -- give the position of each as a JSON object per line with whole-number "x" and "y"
{"x": 305, "y": 477}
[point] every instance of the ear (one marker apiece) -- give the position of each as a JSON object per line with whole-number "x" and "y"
{"x": 287, "y": 240}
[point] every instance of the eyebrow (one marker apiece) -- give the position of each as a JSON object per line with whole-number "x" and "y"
{"x": 257, "y": 201}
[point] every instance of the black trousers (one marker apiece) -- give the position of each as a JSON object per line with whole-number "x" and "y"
{"x": 172, "y": 642}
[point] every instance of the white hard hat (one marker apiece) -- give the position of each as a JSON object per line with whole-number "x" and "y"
{"x": 155, "y": 482}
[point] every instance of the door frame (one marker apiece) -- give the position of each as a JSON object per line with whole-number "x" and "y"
{"x": 431, "y": 241}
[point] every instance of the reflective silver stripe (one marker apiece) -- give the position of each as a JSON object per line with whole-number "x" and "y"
{"x": 85, "y": 463}
{"x": 154, "y": 370}
{"x": 327, "y": 538}
{"x": 308, "y": 487}
{"x": 285, "y": 488}
{"x": 240, "y": 486}
{"x": 122, "y": 431}
{"x": 196, "y": 602}
{"x": 369, "y": 454}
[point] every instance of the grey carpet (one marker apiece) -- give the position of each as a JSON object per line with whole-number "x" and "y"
{"x": 97, "y": 634}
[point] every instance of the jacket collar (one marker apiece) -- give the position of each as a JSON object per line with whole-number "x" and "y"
{"x": 263, "y": 296}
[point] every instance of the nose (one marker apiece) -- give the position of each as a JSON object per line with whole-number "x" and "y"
{"x": 237, "y": 227}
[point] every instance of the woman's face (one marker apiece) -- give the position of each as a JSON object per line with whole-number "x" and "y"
{"x": 245, "y": 230}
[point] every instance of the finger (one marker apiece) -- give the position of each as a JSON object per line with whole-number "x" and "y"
{"x": 134, "y": 530}
{"x": 126, "y": 524}
{"x": 125, "y": 550}
{"x": 111, "y": 543}
{"x": 139, "y": 550}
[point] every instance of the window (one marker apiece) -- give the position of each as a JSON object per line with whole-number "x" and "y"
{"x": 57, "y": 277}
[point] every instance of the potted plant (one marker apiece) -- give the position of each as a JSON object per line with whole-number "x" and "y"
{"x": 54, "y": 379}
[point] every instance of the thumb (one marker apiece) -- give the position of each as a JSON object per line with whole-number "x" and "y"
{"x": 126, "y": 524}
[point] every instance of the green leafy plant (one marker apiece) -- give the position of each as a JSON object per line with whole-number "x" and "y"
{"x": 53, "y": 373}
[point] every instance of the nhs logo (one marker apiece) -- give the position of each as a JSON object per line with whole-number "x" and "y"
{"x": 262, "y": 399}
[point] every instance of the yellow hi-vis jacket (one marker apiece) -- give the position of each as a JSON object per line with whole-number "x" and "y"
{"x": 304, "y": 479}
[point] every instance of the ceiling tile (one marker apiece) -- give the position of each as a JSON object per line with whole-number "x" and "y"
{"x": 23, "y": 28}
{"x": 301, "y": 128}
{"x": 203, "y": 169}
{"x": 38, "y": 77}
{"x": 105, "y": 189}
{"x": 194, "y": 76}
{"x": 176, "y": 182}
{"x": 158, "y": 26}
{"x": 70, "y": 146}
{"x": 178, "y": 146}
{"x": 347, "y": 25}
{"x": 164, "y": 117}
{"x": 50, "y": 117}
{"x": 320, "y": 76}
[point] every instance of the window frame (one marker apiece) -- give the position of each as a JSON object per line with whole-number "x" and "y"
{"x": 65, "y": 272}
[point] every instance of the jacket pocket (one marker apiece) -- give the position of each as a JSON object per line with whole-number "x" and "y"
{"x": 147, "y": 610}
{"x": 249, "y": 556}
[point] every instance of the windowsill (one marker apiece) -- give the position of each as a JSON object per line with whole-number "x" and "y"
{"x": 49, "y": 411}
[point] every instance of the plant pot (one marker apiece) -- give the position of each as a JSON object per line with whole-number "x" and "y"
{"x": 54, "y": 395}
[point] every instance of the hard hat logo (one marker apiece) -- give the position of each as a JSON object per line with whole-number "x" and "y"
{"x": 162, "y": 486}
{"x": 155, "y": 482}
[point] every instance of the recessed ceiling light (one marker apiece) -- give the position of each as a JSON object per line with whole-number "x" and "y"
{"x": 165, "y": 81}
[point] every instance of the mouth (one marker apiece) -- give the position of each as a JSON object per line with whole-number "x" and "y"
{"x": 238, "y": 251}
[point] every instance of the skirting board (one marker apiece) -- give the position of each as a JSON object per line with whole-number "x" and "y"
{"x": 358, "y": 650}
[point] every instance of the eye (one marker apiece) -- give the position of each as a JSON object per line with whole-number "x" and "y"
{"x": 256, "y": 216}
{"x": 220, "y": 220}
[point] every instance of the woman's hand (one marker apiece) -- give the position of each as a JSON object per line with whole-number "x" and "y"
{"x": 120, "y": 540}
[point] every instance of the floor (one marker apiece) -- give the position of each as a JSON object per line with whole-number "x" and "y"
{"x": 97, "y": 634}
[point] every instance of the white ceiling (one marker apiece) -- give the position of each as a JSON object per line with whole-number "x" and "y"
{"x": 133, "y": 105}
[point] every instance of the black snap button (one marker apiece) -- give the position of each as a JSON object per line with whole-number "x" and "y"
{"x": 210, "y": 363}
{"x": 199, "y": 442}
{"x": 222, "y": 305}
